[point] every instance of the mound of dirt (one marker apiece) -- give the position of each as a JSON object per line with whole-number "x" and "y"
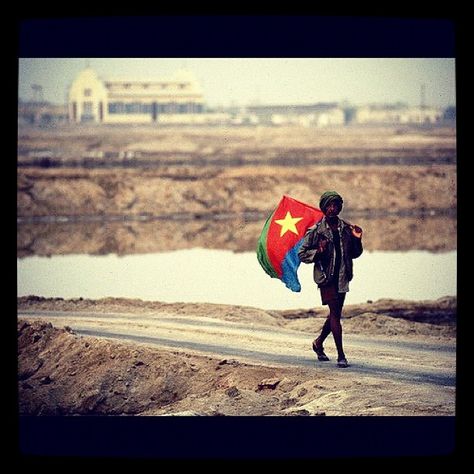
{"x": 62, "y": 372}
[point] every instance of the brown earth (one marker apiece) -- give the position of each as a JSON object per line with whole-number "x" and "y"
{"x": 209, "y": 171}
{"x": 204, "y": 192}
{"x": 62, "y": 371}
{"x": 265, "y": 142}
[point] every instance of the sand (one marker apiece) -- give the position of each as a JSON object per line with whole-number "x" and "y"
{"x": 130, "y": 357}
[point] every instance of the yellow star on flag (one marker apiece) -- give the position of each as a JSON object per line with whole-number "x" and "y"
{"x": 288, "y": 224}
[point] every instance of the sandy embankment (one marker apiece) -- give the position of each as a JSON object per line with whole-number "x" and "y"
{"x": 214, "y": 170}
{"x": 61, "y": 372}
{"x": 207, "y": 192}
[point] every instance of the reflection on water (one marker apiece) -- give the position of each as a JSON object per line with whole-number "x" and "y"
{"x": 215, "y": 261}
{"x": 432, "y": 233}
{"x": 223, "y": 276}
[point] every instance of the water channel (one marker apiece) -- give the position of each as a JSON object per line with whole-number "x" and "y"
{"x": 215, "y": 262}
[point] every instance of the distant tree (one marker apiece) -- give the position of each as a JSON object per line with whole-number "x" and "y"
{"x": 400, "y": 105}
{"x": 349, "y": 113}
{"x": 449, "y": 113}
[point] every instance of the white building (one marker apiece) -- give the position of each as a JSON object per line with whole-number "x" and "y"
{"x": 397, "y": 115}
{"x": 319, "y": 115}
{"x": 177, "y": 99}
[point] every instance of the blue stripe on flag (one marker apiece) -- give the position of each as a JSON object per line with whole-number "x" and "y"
{"x": 290, "y": 265}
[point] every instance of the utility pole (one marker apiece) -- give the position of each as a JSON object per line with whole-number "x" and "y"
{"x": 422, "y": 97}
{"x": 37, "y": 93}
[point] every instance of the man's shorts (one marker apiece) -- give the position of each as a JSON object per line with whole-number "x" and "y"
{"x": 330, "y": 293}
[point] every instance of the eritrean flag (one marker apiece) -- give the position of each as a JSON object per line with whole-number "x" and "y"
{"x": 281, "y": 238}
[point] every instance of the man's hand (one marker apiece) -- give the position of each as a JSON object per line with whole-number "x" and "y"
{"x": 356, "y": 231}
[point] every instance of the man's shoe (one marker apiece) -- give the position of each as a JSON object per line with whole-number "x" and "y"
{"x": 320, "y": 352}
{"x": 342, "y": 362}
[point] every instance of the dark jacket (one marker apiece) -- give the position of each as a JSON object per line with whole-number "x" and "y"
{"x": 323, "y": 271}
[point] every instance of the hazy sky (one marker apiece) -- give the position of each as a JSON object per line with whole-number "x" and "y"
{"x": 266, "y": 81}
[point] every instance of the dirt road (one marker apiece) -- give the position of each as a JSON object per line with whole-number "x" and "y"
{"x": 406, "y": 369}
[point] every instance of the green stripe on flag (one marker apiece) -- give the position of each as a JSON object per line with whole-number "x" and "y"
{"x": 262, "y": 249}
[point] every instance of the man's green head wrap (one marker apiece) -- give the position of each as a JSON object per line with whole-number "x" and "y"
{"x": 327, "y": 197}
